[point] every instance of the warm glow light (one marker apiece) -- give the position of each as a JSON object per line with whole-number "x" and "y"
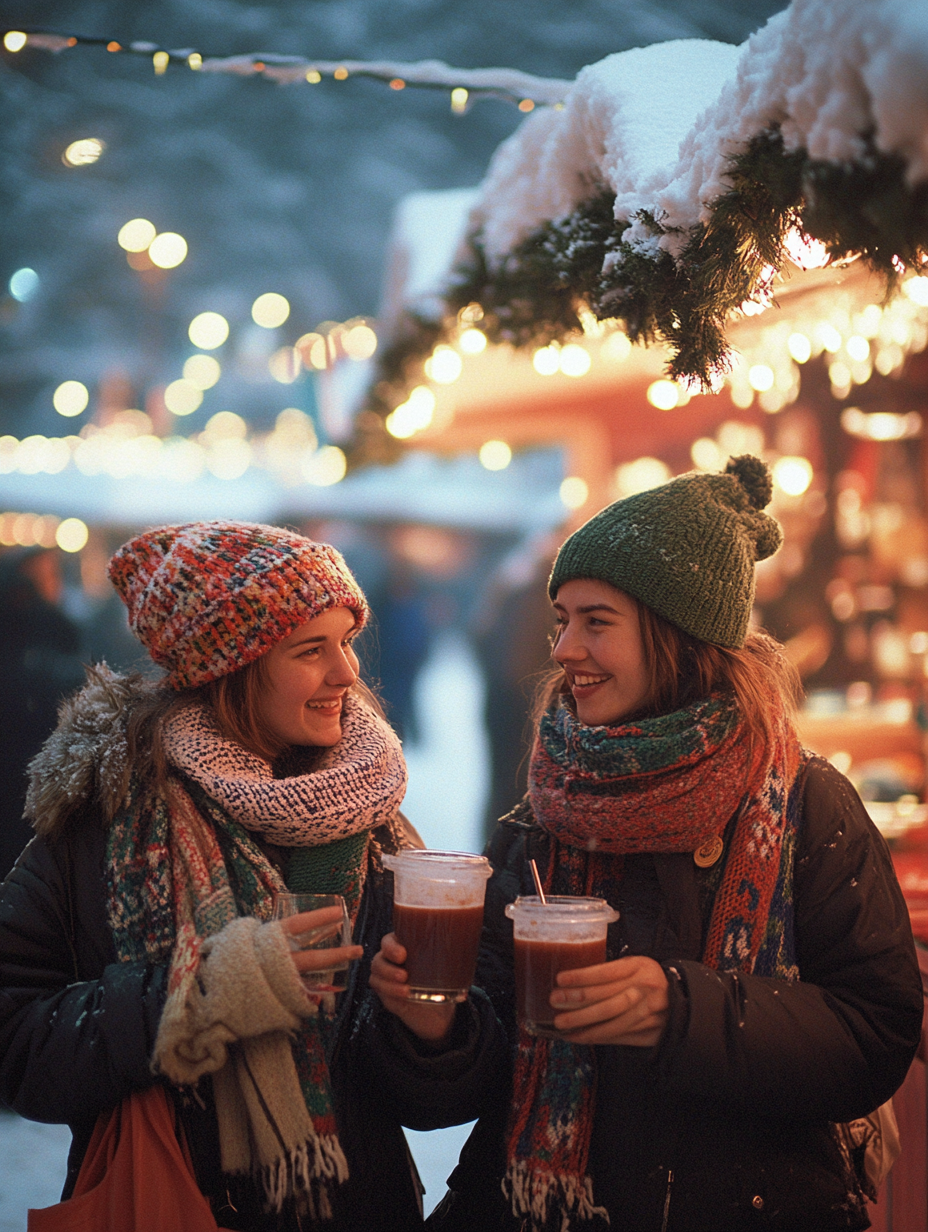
{"x": 472, "y": 341}
{"x": 526, "y": 105}
{"x": 167, "y": 250}
{"x": 495, "y": 455}
{"x": 161, "y": 60}
{"x": 182, "y": 397}
{"x": 413, "y": 415}
{"x": 881, "y": 425}
{"x": 858, "y": 348}
{"x": 640, "y": 476}
{"x": 228, "y": 457}
{"x": 14, "y": 40}
{"x": 340, "y": 73}
{"x": 574, "y": 360}
{"x": 360, "y": 342}
{"x": 574, "y": 492}
{"x": 546, "y": 361}
{"x": 284, "y": 365}
{"x": 313, "y": 351}
{"x": 326, "y": 466}
{"x": 800, "y": 348}
{"x": 828, "y": 336}
{"x": 202, "y": 370}
{"x": 459, "y": 100}
{"x": 397, "y": 83}
{"x": 223, "y": 426}
{"x": 71, "y": 535}
{"x": 70, "y": 398}
{"x": 706, "y": 454}
{"x": 917, "y": 290}
{"x": 136, "y": 235}
{"x": 313, "y": 76}
{"x": 444, "y": 365}
{"x": 664, "y": 395}
{"x": 616, "y": 346}
{"x": 792, "y": 475}
{"x": 208, "y": 330}
{"x": 195, "y": 61}
{"x": 23, "y": 284}
{"x": 839, "y": 374}
{"x": 760, "y": 377}
{"x": 84, "y": 152}
{"x": 804, "y": 251}
{"x": 270, "y": 310}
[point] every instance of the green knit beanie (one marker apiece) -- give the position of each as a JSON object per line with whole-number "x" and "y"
{"x": 686, "y": 549}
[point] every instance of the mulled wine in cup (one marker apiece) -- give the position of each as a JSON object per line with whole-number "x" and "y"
{"x": 437, "y": 918}
{"x": 325, "y": 937}
{"x": 560, "y": 934}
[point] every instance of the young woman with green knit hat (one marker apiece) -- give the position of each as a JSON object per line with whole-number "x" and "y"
{"x": 760, "y": 982}
{"x": 137, "y": 945}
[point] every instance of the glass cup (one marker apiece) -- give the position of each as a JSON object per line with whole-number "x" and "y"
{"x": 559, "y": 935}
{"x": 325, "y": 937}
{"x": 437, "y": 918}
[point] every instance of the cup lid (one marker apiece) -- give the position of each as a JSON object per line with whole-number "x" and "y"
{"x": 561, "y": 907}
{"x": 438, "y": 865}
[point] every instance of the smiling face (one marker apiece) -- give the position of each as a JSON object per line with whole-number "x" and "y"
{"x": 306, "y": 678}
{"x": 599, "y": 646}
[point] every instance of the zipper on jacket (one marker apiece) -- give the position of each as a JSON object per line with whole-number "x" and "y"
{"x": 667, "y": 1200}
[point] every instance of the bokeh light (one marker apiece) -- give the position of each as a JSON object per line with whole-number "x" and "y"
{"x": 23, "y": 284}
{"x": 472, "y": 341}
{"x": 208, "y": 330}
{"x": 546, "y": 361}
{"x": 284, "y": 365}
{"x": 663, "y": 394}
{"x": 70, "y": 398}
{"x": 360, "y": 342}
{"x": 136, "y": 235}
{"x": 792, "y": 475}
{"x": 413, "y": 415}
{"x": 270, "y": 310}
{"x": 326, "y": 466}
{"x": 444, "y": 366}
{"x": 574, "y": 360}
{"x": 182, "y": 397}
{"x": 168, "y": 250}
{"x": 203, "y": 371}
{"x": 71, "y": 535}
{"x": 640, "y": 476}
{"x": 14, "y": 40}
{"x": 495, "y": 455}
{"x": 574, "y": 492}
{"x": 84, "y": 152}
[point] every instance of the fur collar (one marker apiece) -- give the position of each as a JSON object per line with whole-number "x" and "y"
{"x": 85, "y": 758}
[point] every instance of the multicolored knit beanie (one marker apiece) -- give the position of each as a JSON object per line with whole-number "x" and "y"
{"x": 208, "y": 597}
{"x": 686, "y": 549}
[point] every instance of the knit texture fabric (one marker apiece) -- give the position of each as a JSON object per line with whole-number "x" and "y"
{"x": 205, "y": 598}
{"x": 665, "y": 784}
{"x": 358, "y": 784}
{"x": 686, "y": 549}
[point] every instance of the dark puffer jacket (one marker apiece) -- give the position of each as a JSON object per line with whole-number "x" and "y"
{"x": 77, "y": 1031}
{"x": 728, "y": 1118}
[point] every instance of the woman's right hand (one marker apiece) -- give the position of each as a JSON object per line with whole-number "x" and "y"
{"x": 390, "y": 982}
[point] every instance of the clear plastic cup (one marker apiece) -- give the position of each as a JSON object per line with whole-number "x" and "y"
{"x": 325, "y": 937}
{"x": 437, "y": 918}
{"x": 561, "y": 934}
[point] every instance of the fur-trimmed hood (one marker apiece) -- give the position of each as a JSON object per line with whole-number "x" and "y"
{"x": 86, "y": 757}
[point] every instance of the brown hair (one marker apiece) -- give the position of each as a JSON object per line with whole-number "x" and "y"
{"x": 683, "y": 669}
{"x": 233, "y": 700}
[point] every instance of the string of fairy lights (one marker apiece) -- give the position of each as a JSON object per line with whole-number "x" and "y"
{"x": 465, "y": 85}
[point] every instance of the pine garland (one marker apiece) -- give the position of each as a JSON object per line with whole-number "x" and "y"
{"x": 536, "y": 294}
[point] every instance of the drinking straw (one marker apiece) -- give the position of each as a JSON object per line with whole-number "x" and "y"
{"x": 537, "y": 879}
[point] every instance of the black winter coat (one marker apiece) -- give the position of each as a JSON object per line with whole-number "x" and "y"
{"x": 77, "y": 1031}
{"x": 737, "y": 1099}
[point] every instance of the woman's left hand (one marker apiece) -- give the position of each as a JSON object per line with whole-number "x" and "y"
{"x": 621, "y": 1002}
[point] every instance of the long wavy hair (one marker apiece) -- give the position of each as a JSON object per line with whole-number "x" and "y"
{"x": 683, "y": 669}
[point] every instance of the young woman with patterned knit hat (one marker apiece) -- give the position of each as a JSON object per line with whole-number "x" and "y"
{"x": 137, "y": 944}
{"x": 760, "y": 983}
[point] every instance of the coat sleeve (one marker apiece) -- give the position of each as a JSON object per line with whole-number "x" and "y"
{"x": 837, "y": 1043}
{"x": 76, "y": 1030}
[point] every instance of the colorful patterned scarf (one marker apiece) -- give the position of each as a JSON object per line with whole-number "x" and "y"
{"x": 179, "y": 868}
{"x": 666, "y": 784}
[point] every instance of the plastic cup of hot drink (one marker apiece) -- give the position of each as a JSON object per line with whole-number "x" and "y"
{"x": 561, "y": 934}
{"x": 325, "y": 937}
{"x": 437, "y": 918}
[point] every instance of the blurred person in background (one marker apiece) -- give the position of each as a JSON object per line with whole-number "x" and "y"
{"x": 40, "y": 664}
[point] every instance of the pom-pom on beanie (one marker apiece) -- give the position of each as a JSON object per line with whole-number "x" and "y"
{"x": 686, "y": 549}
{"x": 206, "y": 598}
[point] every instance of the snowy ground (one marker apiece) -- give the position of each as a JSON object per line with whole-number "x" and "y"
{"x": 448, "y": 776}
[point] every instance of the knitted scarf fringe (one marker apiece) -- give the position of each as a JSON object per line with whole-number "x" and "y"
{"x": 310, "y": 1173}
{"x": 551, "y": 1201}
